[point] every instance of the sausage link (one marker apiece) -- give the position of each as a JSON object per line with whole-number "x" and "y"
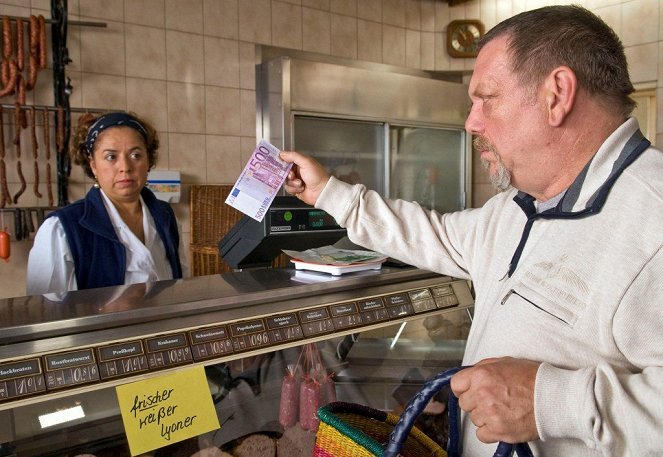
{"x": 20, "y": 44}
{"x": 35, "y": 150}
{"x": 43, "y": 50}
{"x": 10, "y": 87}
{"x": 6, "y": 37}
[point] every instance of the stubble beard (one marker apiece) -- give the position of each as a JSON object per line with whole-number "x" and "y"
{"x": 501, "y": 178}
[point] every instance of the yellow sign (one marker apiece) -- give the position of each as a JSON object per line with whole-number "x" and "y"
{"x": 160, "y": 411}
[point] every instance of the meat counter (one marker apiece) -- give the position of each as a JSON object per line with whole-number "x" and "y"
{"x": 375, "y": 336}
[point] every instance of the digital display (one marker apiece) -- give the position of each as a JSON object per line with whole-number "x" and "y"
{"x": 321, "y": 220}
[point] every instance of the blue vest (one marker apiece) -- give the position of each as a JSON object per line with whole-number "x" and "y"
{"x": 99, "y": 256}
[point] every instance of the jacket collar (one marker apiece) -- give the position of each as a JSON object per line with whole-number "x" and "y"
{"x": 588, "y": 193}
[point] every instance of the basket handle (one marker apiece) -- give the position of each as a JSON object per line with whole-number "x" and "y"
{"x": 417, "y": 404}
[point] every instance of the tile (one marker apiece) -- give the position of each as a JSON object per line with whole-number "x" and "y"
{"x": 612, "y": 15}
{"x": 642, "y": 67}
{"x": 393, "y": 45}
{"x": 221, "y": 62}
{"x": 370, "y": 10}
{"x": 102, "y": 49}
{"x": 344, "y": 7}
{"x": 481, "y": 193}
{"x": 247, "y": 112}
{"x": 369, "y": 41}
{"x": 247, "y": 67}
{"x": 427, "y": 51}
{"x": 187, "y": 154}
{"x": 145, "y": 12}
{"x": 428, "y": 15}
{"x": 184, "y": 57}
{"x": 255, "y": 21}
{"x": 639, "y": 22}
{"x": 223, "y": 111}
{"x": 317, "y": 4}
{"x": 146, "y": 98}
{"x": 316, "y": 31}
{"x": 145, "y": 51}
{"x": 221, "y": 18}
{"x": 107, "y": 10}
{"x": 286, "y": 25}
{"x": 412, "y": 49}
{"x": 442, "y": 16}
{"x": 184, "y": 16}
{"x": 186, "y": 107}
{"x": 224, "y": 162}
{"x": 393, "y": 12}
{"x": 343, "y": 36}
{"x": 413, "y": 14}
{"x": 103, "y": 91}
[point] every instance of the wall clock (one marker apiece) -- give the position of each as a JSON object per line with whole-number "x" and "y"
{"x": 463, "y": 37}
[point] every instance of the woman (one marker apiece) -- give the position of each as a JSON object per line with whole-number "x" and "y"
{"x": 119, "y": 233}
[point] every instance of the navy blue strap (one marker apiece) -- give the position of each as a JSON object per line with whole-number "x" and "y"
{"x": 417, "y": 404}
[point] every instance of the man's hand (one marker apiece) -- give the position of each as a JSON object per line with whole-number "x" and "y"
{"x": 306, "y": 179}
{"x": 498, "y": 395}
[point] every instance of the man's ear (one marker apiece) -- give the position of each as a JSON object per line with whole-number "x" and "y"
{"x": 561, "y": 87}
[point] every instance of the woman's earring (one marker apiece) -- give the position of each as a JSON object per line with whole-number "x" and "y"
{"x": 96, "y": 183}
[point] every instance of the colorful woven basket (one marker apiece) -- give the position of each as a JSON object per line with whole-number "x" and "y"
{"x": 352, "y": 430}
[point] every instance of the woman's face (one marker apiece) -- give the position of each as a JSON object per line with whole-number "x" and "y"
{"x": 120, "y": 163}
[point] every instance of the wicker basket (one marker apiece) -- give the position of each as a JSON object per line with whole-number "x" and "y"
{"x": 211, "y": 219}
{"x": 350, "y": 430}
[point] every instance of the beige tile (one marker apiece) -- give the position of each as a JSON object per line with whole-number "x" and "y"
{"x": 248, "y": 112}
{"x": 145, "y": 51}
{"x": 146, "y": 97}
{"x": 286, "y": 25}
{"x": 427, "y": 51}
{"x": 412, "y": 48}
{"x": 223, "y": 111}
{"x": 370, "y": 10}
{"x": 185, "y": 16}
{"x": 43, "y": 91}
{"x": 103, "y": 91}
{"x": 221, "y": 62}
{"x": 393, "y": 45}
{"x": 612, "y": 15}
{"x": 428, "y": 15}
{"x": 316, "y": 30}
{"x": 106, "y": 10}
{"x": 184, "y": 57}
{"x": 642, "y": 67}
{"x": 248, "y": 144}
{"x": 145, "y": 12}
{"x": 413, "y": 14}
{"x": 221, "y": 18}
{"x": 224, "y": 162}
{"x": 255, "y": 21}
{"x": 317, "y": 4}
{"x": 639, "y": 22}
{"x": 102, "y": 49}
{"x": 369, "y": 41}
{"x": 345, "y": 7}
{"x": 247, "y": 68}
{"x": 343, "y": 36}
{"x": 442, "y": 16}
{"x": 73, "y": 46}
{"x": 294, "y": 2}
{"x": 186, "y": 108}
{"x": 442, "y": 59}
{"x": 187, "y": 154}
{"x": 393, "y": 12}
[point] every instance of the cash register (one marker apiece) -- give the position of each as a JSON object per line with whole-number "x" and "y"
{"x": 288, "y": 224}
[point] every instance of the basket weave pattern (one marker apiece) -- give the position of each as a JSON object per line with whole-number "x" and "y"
{"x": 350, "y": 430}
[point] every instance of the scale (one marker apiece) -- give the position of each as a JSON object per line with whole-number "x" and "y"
{"x": 288, "y": 224}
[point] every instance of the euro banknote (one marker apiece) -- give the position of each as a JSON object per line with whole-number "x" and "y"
{"x": 259, "y": 182}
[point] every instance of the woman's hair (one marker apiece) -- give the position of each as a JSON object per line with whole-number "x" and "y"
{"x": 542, "y": 39}
{"x": 79, "y": 147}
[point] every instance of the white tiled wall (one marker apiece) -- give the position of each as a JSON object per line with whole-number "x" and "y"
{"x": 188, "y": 65}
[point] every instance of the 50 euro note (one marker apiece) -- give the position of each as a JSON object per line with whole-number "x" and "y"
{"x": 259, "y": 182}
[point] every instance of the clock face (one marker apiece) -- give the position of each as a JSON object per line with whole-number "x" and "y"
{"x": 463, "y": 37}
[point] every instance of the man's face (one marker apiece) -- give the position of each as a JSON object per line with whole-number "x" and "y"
{"x": 504, "y": 119}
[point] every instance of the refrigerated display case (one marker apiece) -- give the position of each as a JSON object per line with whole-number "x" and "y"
{"x": 398, "y": 131}
{"x": 377, "y": 334}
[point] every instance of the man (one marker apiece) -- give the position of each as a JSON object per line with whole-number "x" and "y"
{"x": 567, "y": 337}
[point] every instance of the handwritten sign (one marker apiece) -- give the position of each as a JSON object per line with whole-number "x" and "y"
{"x": 160, "y": 411}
